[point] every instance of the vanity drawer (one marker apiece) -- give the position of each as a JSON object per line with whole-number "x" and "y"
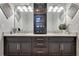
{"x": 61, "y": 39}
{"x": 17, "y": 39}
{"x": 39, "y": 39}
{"x": 40, "y": 44}
{"x": 12, "y": 39}
{"x": 40, "y": 51}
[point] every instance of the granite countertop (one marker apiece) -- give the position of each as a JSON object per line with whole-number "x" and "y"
{"x": 48, "y": 34}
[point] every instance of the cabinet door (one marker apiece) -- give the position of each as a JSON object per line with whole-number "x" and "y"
{"x": 13, "y": 49}
{"x": 67, "y": 49}
{"x": 68, "y": 46}
{"x": 54, "y": 47}
{"x": 11, "y": 46}
{"x": 25, "y": 46}
{"x": 40, "y": 18}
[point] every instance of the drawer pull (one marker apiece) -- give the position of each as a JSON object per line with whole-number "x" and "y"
{"x": 40, "y": 51}
{"x": 18, "y": 46}
{"x": 40, "y": 44}
{"x": 40, "y": 39}
{"x": 61, "y": 47}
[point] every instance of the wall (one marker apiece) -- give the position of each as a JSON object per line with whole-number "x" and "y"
{"x": 26, "y": 22}
{"x": 5, "y": 24}
{"x": 1, "y": 45}
{"x": 52, "y": 22}
{"x": 74, "y": 24}
{"x": 74, "y": 27}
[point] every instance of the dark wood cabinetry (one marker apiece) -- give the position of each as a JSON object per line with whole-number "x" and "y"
{"x": 25, "y": 46}
{"x": 62, "y": 46}
{"x": 40, "y": 8}
{"x": 40, "y": 18}
{"x": 39, "y": 46}
{"x": 54, "y": 48}
{"x": 17, "y": 46}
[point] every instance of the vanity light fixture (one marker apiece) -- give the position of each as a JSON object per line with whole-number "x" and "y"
{"x": 60, "y": 9}
{"x": 30, "y": 9}
{"x": 25, "y": 9}
{"x": 55, "y": 9}
{"x": 50, "y": 8}
{"x": 20, "y": 8}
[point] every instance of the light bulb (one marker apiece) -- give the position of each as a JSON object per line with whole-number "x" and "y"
{"x": 25, "y": 8}
{"x": 60, "y": 9}
{"x": 30, "y": 8}
{"x": 55, "y": 9}
{"x": 20, "y": 8}
{"x": 50, "y": 9}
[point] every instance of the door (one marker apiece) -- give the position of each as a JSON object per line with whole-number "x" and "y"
{"x": 63, "y": 46}
{"x": 17, "y": 46}
{"x": 25, "y": 46}
{"x": 11, "y": 46}
{"x": 68, "y": 46}
{"x": 40, "y": 18}
{"x": 13, "y": 49}
{"x": 54, "y": 47}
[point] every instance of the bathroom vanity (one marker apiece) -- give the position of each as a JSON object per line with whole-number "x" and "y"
{"x": 39, "y": 45}
{"x": 33, "y": 29}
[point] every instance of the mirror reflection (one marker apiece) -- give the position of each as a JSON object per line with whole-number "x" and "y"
{"x": 22, "y": 15}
